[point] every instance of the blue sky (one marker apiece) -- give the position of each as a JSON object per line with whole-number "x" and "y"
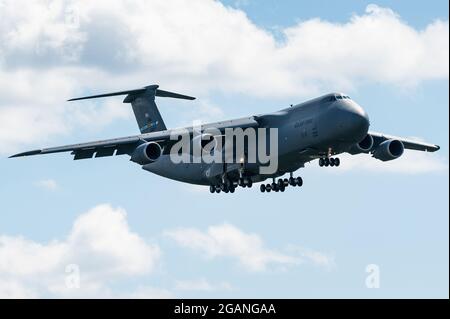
{"x": 134, "y": 234}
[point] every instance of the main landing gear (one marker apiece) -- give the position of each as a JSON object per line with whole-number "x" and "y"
{"x": 329, "y": 161}
{"x": 281, "y": 184}
{"x": 230, "y": 187}
{"x": 245, "y": 182}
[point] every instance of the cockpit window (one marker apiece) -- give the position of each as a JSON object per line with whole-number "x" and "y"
{"x": 330, "y": 98}
{"x": 339, "y": 97}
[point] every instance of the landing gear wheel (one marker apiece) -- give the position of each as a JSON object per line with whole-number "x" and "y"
{"x": 232, "y": 189}
{"x": 292, "y": 181}
{"x": 282, "y": 188}
{"x": 249, "y": 183}
{"x": 326, "y": 162}
{"x": 299, "y": 181}
{"x": 275, "y": 187}
{"x": 280, "y": 183}
{"x": 241, "y": 182}
{"x": 321, "y": 162}
{"x": 337, "y": 162}
{"x": 212, "y": 189}
{"x": 286, "y": 182}
{"x": 262, "y": 188}
{"x": 218, "y": 189}
{"x": 268, "y": 188}
{"x": 332, "y": 162}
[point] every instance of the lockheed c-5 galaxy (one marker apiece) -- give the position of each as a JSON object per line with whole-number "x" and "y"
{"x": 318, "y": 129}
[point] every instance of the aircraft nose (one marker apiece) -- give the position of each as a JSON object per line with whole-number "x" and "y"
{"x": 359, "y": 123}
{"x": 354, "y": 122}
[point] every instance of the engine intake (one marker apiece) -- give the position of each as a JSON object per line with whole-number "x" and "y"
{"x": 389, "y": 150}
{"x": 362, "y": 147}
{"x": 146, "y": 153}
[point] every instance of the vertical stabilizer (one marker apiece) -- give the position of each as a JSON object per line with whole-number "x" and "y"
{"x": 145, "y": 110}
{"x": 144, "y": 107}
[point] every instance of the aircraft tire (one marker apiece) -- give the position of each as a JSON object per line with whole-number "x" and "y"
{"x": 337, "y": 162}
{"x": 292, "y": 181}
{"x": 321, "y": 162}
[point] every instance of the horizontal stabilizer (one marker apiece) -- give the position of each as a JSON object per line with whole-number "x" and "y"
{"x": 154, "y": 88}
{"x": 162, "y": 93}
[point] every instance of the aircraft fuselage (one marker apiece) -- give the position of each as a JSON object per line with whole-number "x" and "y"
{"x": 327, "y": 127}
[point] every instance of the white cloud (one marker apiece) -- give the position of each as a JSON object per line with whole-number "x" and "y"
{"x": 104, "y": 232}
{"x": 201, "y": 285}
{"x": 411, "y": 162}
{"x": 148, "y": 293}
{"x": 314, "y": 257}
{"x": 100, "y": 243}
{"x": 52, "y": 51}
{"x": 101, "y": 252}
{"x": 248, "y": 249}
{"x": 15, "y": 290}
{"x": 48, "y": 184}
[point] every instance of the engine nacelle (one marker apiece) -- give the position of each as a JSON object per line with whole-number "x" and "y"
{"x": 146, "y": 153}
{"x": 362, "y": 147}
{"x": 389, "y": 150}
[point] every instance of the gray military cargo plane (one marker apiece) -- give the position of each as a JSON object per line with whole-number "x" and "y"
{"x": 317, "y": 129}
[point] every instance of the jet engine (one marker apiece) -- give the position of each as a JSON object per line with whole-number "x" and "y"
{"x": 389, "y": 150}
{"x": 146, "y": 153}
{"x": 362, "y": 147}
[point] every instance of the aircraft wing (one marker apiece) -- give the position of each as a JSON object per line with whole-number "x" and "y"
{"x": 379, "y": 138}
{"x": 126, "y": 145}
{"x": 101, "y": 148}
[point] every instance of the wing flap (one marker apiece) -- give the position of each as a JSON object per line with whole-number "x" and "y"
{"x": 83, "y": 154}
{"x": 105, "y": 151}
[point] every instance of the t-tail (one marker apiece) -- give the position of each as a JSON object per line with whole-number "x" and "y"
{"x": 144, "y": 107}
